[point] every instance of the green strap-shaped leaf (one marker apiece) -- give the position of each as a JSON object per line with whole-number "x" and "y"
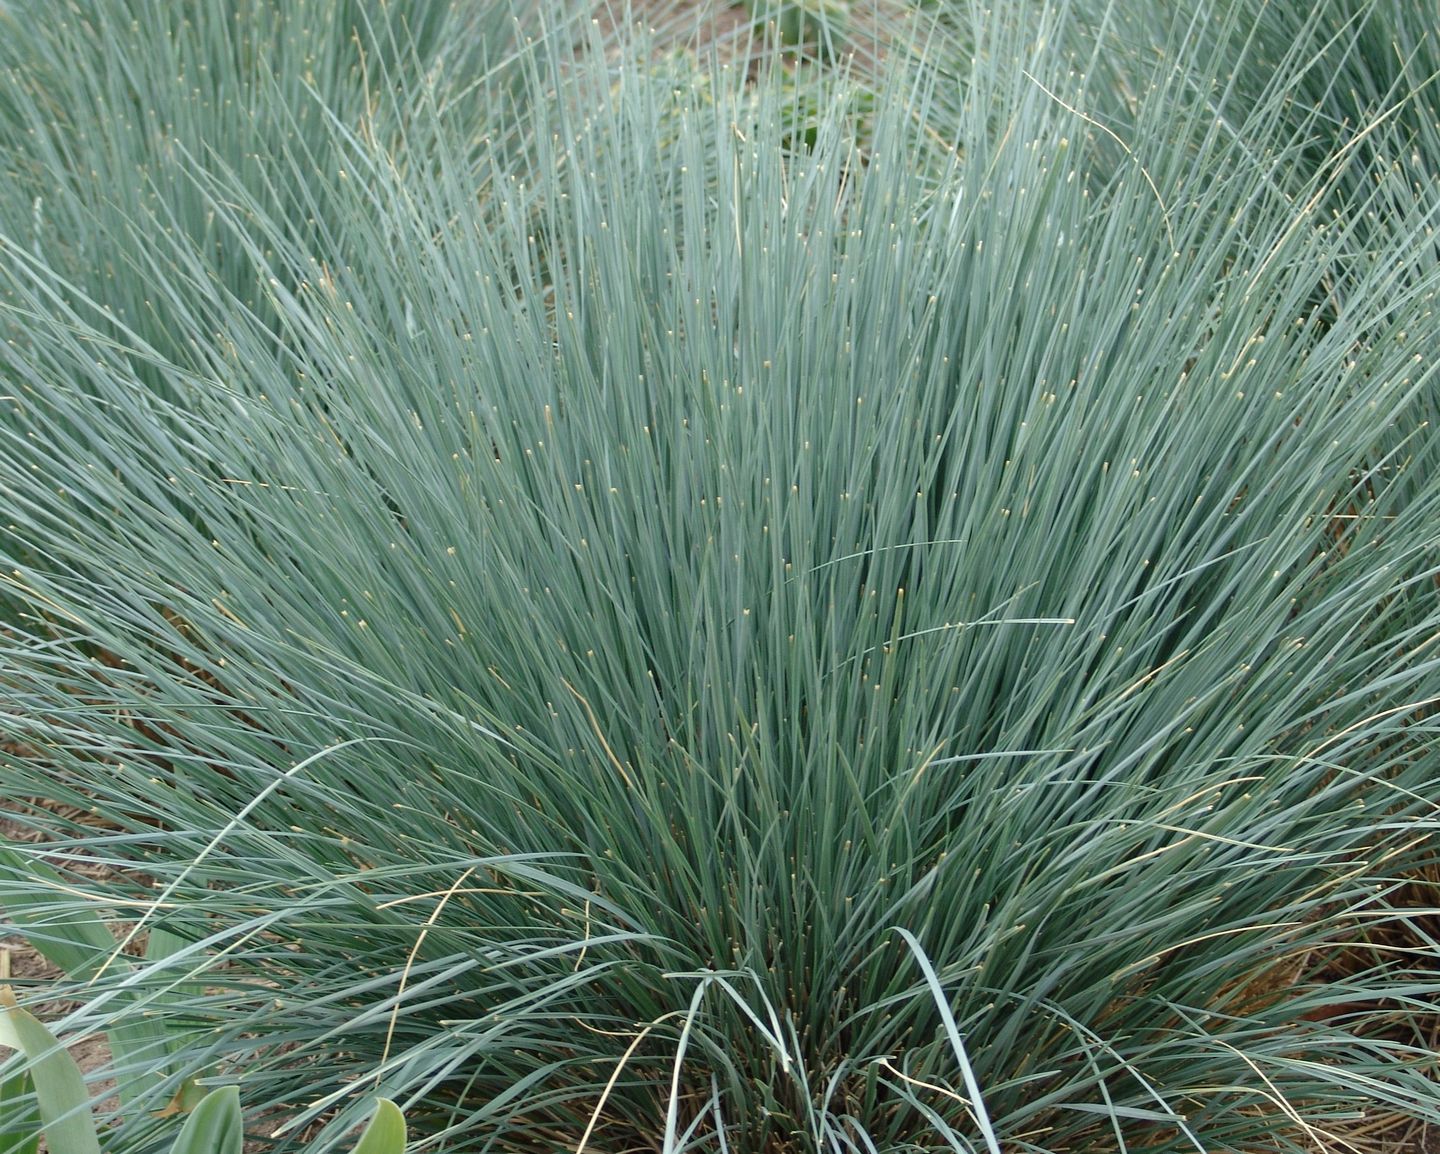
{"x": 385, "y": 1132}
{"x": 216, "y": 1126}
{"x": 19, "y": 1117}
{"x": 59, "y": 1086}
{"x": 82, "y": 945}
{"x": 163, "y": 944}
{"x": 79, "y": 943}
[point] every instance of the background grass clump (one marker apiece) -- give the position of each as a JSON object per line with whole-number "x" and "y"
{"x": 620, "y": 625}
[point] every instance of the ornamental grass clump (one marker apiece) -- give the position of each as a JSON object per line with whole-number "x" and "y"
{"x": 619, "y": 625}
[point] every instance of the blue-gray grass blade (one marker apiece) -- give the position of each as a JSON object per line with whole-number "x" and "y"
{"x": 952, "y": 1032}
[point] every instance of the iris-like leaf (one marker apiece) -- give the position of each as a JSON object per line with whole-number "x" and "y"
{"x": 215, "y": 1126}
{"x": 60, "y": 1094}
